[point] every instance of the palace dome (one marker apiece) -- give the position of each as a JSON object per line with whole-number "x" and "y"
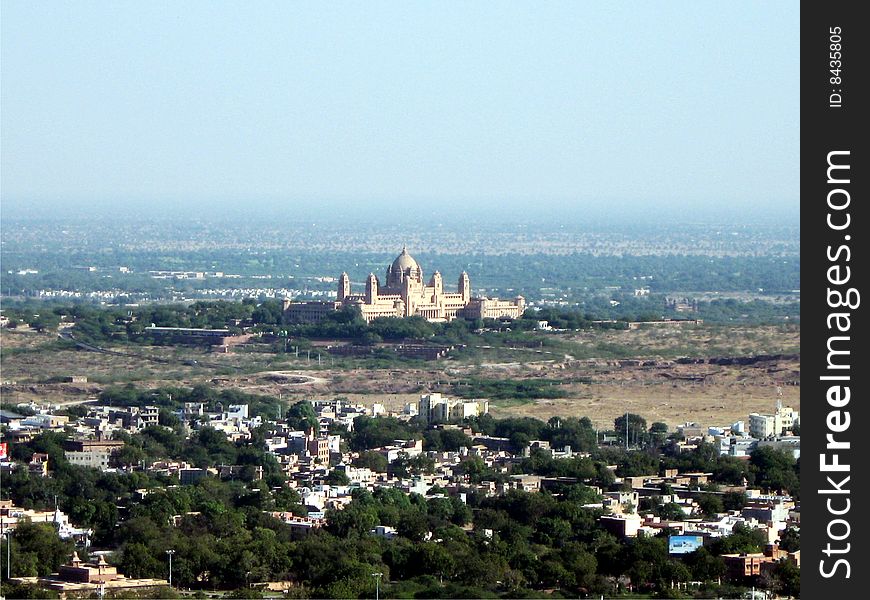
{"x": 403, "y": 266}
{"x": 404, "y": 262}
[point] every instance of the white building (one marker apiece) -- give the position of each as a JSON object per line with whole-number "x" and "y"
{"x": 237, "y": 411}
{"x": 11, "y": 516}
{"x": 357, "y": 475}
{"x": 96, "y": 459}
{"x": 385, "y": 531}
{"x": 763, "y": 426}
{"x": 435, "y": 408}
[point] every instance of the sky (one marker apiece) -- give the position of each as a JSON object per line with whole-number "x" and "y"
{"x": 400, "y": 110}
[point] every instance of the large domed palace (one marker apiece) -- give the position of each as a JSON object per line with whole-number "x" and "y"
{"x": 406, "y": 295}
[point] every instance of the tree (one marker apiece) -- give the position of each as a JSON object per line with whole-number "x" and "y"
{"x": 743, "y": 539}
{"x": 704, "y": 566}
{"x": 354, "y": 519}
{"x": 636, "y": 429}
{"x": 578, "y": 433}
{"x": 138, "y": 561}
{"x": 373, "y": 460}
{"x": 474, "y": 468}
{"x": 370, "y": 338}
{"x": 710, "y": 504}
{"x": 301, "y": 416}
{"x": 520, "y": 441}
{"x": 48, "y": 442}
{"x": 450, "y": 440}
{"x": 413, "y": 525}
{"x": 635, "y": 463}
{"x": 337, "y": 477}
{"x": 658, "y": 433}
{"x": 775, "y": 470}
{"x": 25, "y": 591}
{"x": 287, "y": 498}
{"x": 790, "y": 539}
{"x": 42, "y": 542}
{"x": 461, "y": 513}
{"x": 374, "y": 432}
{"x": 44, "y": 321}
{"x": 128, "y": 455}
{"x": 733, "y": 501}
{"x": 658, "y": 427}
{"x": 788, "y": 578}
{"x": 404, "y": 466}
{"x": 671, "y": 512}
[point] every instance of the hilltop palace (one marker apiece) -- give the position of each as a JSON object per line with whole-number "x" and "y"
{"x": 405, "y": 295}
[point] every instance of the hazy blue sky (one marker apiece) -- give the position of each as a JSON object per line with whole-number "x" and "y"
{"x": 510, "y": 105}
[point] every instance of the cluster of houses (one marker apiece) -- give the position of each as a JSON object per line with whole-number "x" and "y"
{"x": 774, "y": 430}
{"x": 310, "y": 458}
{"x": 771, "y": 514}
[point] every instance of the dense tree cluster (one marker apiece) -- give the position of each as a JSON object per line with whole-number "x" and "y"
{"x": 579, "y": 434}
{"x": 770, "y": 469}
{"x": 509, "y": 389}
{"x": 104, "y": 324}
{"x": 369, "y": 432}
{"x": 445, "y": 439}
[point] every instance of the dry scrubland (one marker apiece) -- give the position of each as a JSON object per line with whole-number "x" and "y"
{"x": 628, "y": 371}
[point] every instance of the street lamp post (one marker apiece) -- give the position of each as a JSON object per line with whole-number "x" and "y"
{"x": 170, "y": 553}
{"x": 377, "y": 577}
{"x": 8, "y": 553}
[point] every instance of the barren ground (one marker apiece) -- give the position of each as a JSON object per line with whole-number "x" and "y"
{"x": 633, "y": 371}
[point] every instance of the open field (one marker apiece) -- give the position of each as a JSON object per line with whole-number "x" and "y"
{"x": 599, "y": 374}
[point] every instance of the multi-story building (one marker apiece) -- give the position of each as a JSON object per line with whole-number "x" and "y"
{"x": 435, "y": 408}
{"x": 405, "y": 294}
{"x": 742, "y": 566}
{"x": 319, "y": 448}
{"x": 782, "y": 420}
{"x": 95, "y": 459}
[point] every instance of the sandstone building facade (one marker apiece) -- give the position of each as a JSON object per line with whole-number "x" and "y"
{"x": 405, "y": 294}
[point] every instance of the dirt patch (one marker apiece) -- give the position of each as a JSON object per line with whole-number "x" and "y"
{"x": 603, "y": 374}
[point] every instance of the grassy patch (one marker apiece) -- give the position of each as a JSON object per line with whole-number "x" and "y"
{"x": 509, "y": 389}
{"x": 49, "y": 346}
